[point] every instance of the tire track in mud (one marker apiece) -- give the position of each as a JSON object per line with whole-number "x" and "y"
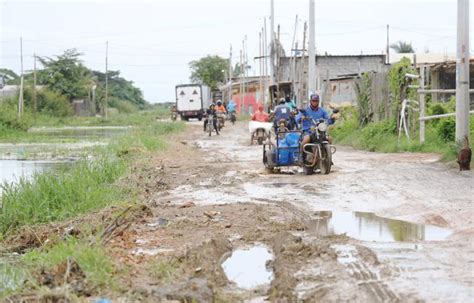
{"x": 359, "y": 178}
{"x": 368, "y": 280}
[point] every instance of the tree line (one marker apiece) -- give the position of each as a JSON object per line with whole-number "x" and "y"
{"x": 65, "y": 78}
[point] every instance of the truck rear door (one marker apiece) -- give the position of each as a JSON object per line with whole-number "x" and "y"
{"x": 188, "y": 98}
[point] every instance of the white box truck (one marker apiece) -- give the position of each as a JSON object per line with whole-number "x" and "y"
{"x": 192, "y": 100}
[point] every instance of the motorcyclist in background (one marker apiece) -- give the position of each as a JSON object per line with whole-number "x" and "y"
{"x": 221, "y": 111}
{"x": 260, "y": 115}
{"x": 231, "y": 106}
{"x": 211, "y": 111}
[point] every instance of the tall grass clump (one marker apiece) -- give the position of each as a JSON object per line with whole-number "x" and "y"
{"x": 92, "y": 259}
{"x": 58, "y": 195}
{"x": 382, "y": 136}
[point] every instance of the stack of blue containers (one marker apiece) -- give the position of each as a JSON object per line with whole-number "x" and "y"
{"x": 288, "y": 149}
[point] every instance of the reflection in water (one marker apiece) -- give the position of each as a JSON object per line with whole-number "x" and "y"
{"x": 247, "y": 267}
{"x": 369, "y": 227}
{"x": 12, "y": 170}
{"x": 84, "y": 133}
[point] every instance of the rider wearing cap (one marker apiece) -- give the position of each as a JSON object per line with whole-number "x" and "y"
{"x": 312, "y": 112}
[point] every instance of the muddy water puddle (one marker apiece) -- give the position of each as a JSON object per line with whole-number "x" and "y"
{"x": 247, "y": 267}
{"x": 369, "y": 227}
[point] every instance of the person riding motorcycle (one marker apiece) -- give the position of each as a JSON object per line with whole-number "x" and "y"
{"x": 260, "y": 115}
{"x": 312, "y": 112}
{"x": 281, "y": 112}
{"x": 231, "y": 109}
{"x": 221, "y": 111}
{"x": 231, "y": 106}
{"x": 211, "y": 111}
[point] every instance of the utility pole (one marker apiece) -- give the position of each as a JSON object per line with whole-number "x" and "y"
{"x": 241, "y": 86}
{"x": 388, "y": 45}
{"x": 106, "y": 78}
{"x": 230, "y": 73}
{"x": 277, "y": 63}
{"x": 260, "y": 61}
{"x": 244, "y": 68}
{"x": 311, "y": 51}
{"x": 20, "y": 98}
{"x": 303, "y": 67}
{"x": 35, "y": 105}
{"x": 462, "y": 72}
{"x": 272, "y": 48}
{"x": 265, "y": 62}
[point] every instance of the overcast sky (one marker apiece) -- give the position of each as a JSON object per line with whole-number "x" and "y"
{"x": 152, "y": 42}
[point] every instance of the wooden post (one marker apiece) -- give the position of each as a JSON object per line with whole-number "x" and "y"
{"x": 20, "y": 98}
{"x": 106, "y": 78}
{"x": 422, "y": 105}
{"x": 35, "y": 105}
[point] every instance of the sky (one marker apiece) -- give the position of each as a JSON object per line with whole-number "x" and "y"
{"x": 152, "y": 42}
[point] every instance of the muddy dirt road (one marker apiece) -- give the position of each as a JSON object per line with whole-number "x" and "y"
{"x": 379, "y": 227}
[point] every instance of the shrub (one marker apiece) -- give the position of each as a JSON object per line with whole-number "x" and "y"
{"x": 9, "y": 116}
{"x": 49, "y": 102}
{"x": 446, "y": 129}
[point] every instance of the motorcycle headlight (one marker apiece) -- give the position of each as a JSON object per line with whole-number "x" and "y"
{"x": 322, "y": 127}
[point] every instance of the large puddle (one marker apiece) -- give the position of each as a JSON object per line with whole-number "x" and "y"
{"x": 369, "y": 227}
{"x": 12, "y": 170}
{"x": 247, "y": 267}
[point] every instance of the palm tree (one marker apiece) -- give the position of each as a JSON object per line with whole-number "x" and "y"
{"x": 402, "y": 47}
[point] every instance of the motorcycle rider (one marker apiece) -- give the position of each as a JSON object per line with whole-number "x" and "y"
{"x": 231, "y": 108}
{"x": 313, "y": 111}
{"x": 211, "y": 111}
{"x": 260, "y": 115}
{"x": 221, "y": 111}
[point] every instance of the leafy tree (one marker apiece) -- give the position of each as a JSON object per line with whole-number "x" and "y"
{"x": 65, "y": 75}
{"x": 8, "y": 75}
{"x": 402, "y": 47}
{"x": 120, "y": 89}
{"x": 209, "y": 70}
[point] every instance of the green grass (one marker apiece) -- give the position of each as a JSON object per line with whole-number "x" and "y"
{"x": 62, "y": 194}
{"x": 383, "y": 137}
{"x": 164, "y": 270}
{"x": 93, "y": 260}
{"x": 19, "y": 134}
{"x": 85, "y": 186}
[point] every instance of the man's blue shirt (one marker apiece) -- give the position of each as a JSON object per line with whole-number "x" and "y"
{"x": 231, "y": 107}
{"x": 320, "y": 113}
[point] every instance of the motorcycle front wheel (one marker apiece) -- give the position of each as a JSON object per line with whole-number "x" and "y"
{"x": 325, "y": 161}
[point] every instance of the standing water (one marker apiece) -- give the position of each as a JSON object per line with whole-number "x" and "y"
{"x": 12, "y": 170}
{"x": 247, "y": 267}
